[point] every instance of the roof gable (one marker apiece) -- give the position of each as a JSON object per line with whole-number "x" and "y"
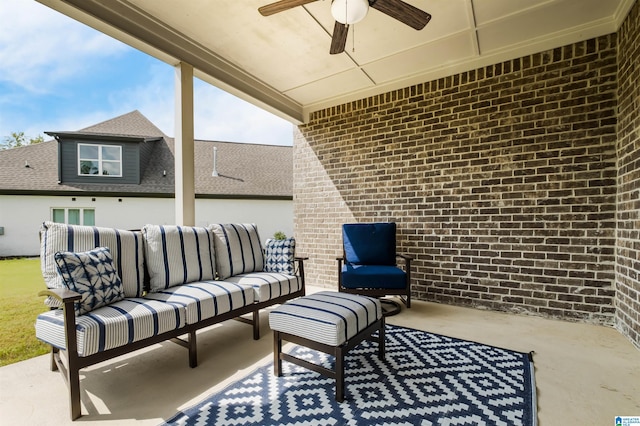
{"x": 130, "y": 124}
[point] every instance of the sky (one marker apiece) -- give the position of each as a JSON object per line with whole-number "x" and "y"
{"x": 57, "y": 74}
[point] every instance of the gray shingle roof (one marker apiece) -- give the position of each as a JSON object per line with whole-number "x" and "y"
{"x": 131, "y": 124}
{"x": 245, "y": 170}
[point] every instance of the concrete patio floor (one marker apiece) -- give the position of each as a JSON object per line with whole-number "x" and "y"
{"x": 585, "y": 374}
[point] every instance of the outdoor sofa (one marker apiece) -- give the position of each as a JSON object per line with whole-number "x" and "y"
{"x": 114, "y": 291}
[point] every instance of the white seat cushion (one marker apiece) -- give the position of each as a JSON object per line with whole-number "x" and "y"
{"x": 326, "y": 317}
{"x": 112, "y": 326}
{"x": 206, "y": 299}
{"x": 268, "y": 285}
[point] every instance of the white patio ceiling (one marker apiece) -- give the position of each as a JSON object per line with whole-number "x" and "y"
{"x": 282, "y": 62}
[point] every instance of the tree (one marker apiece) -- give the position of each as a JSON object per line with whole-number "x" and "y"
{"x": 37, "y": 139}
{"x": 19, "y": 139}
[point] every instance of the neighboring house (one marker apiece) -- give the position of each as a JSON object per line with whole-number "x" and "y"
{"x": 120, "y": 173}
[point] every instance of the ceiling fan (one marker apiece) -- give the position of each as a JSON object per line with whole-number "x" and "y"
{"x": 349, "y": 12}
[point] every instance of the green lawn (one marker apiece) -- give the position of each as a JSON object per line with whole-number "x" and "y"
{"x": 20, "y": 282}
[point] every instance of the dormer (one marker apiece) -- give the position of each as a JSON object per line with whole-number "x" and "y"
{"x": 101, "y": 158}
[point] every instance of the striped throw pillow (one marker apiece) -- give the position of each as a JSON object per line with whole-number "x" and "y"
{"x": 126, "y": 249}
{"x": 238, "y": 249}
{"x": 178, "y": 255}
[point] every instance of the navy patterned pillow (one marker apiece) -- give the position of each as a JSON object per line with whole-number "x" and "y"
{"x": 279, "y": 256}
{"x": 91, "y": 274}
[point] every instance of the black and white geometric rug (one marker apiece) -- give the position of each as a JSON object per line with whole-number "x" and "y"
{"x": 426, "y": 379}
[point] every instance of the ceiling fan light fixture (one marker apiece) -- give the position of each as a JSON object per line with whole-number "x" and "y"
{"x": 349, "y": 11}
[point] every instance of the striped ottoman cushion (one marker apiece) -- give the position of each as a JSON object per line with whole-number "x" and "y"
{"x": 206, "y": 299}
{"x": 327, "y": 317}
{"x": 112, "y": 326}
{"x": 268, "y": 285}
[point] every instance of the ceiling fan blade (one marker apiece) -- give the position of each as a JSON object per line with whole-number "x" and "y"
{"x": 339, "y": 39}
{"x": 403, "y": 12}
{"x": 281, "y": 5}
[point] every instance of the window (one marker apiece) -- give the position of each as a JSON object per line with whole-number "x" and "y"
{"x": 74, "y": 216}
{"x": 99, "y": 160}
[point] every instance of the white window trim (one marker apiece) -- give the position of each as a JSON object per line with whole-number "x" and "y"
{"x": 100, "y": 160}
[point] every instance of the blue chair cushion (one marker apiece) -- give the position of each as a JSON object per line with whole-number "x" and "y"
{"x": 369, "y": 243}
{"x": 373, "y": 276}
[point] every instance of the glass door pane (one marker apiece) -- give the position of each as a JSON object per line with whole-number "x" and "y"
{"x": 74, "y": 217}
{"x": 89, "y": 217}
{"x": 58, "y": 215}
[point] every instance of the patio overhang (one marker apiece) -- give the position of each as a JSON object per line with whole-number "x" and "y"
{"x": 282, "y": 64}
{"x": 127, "y": 22}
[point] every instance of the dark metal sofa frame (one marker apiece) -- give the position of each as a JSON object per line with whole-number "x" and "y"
{"x": 71, "y": 371}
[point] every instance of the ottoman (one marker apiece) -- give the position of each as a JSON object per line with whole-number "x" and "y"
{"x": 329, "y": 322}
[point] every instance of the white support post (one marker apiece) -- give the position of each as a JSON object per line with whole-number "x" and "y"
{"x": 184, "y": 146}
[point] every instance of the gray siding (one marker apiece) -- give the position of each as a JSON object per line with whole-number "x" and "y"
{"x": 146, "y": 150}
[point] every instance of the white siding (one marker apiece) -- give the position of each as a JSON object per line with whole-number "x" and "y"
{"x": 21, "y": 216}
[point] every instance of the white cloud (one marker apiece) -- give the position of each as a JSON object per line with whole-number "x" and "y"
{"x": 39, "y": 46}
{"x": 154, "y": 98}
{"x": 218, "y": 115}
{"x": 41, "y": 49}
{"x": 222, "y": 116}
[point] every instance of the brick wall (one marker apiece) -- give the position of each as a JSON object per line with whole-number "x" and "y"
{"x": 628, "y": 246}
{"x": 502, "y": 181}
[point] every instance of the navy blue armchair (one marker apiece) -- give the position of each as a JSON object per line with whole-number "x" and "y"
{"x": 369, "y": 262}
